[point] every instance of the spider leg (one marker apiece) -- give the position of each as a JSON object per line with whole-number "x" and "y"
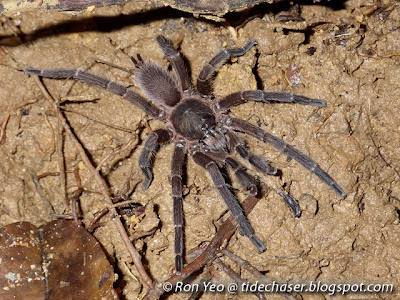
{"x": 205, "y": 78}
{"x": 151, "y": 146}
{"x": 293, "y": 204}
{"x": 176, "y": 182}
{"x": 246, "y": 180}
{"x": 266, "y": 97}
{"x": 231, "y": 202}
{"x": 257, "y": 161}
{"x": 108, "y": 85}
{"x": 261, "y": 164}
{"x": 290, "y": 151}
{"x": 177, "y": 62}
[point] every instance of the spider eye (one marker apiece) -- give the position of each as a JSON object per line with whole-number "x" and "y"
{"x": 193, "y": 119}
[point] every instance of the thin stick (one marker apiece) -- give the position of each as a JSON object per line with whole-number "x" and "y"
{"x": 40, "y": 190}
{"x": 58, "y": 146}
{"x": 61, "y": 160}
{"x": 114, "y": 153}
{"x": 93, "y": 224}
{"x": 324, "y": 122}
{"x": 98, "y": 121}
{"x": 245, "y": 264}
{"x": 8, "y": 114}
{"x": 3, "y": 126}
{"x": 76, "y": 195}
{"x": 235, "y": 276}
{"x": 102, "y": 186}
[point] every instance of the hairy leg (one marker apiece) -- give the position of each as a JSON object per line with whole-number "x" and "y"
{"x": 176, "y": 180}
{"x": 205, "y": 78}
{"x": 177, "y": 62}
{"x": 231, "y": 202}
{"x": 106, "y": 84}
{"x": 153, "y": 141}
{"x": 266, "y": 97}
{"x": 258, "y": 162}
{"x": 290, "y": 151}
{"x": 245, "y": 179}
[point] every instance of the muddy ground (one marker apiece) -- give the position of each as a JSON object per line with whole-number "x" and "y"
{"x": 347, "y": 54}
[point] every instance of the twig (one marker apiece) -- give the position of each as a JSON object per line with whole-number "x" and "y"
{"x": 40, "y": 191}
{"x": 53, "y": 147}
{"x": 8, "y": 114}
{"x": 76, "y": 195}
{"x": 43, "y": 175}
{"x": 61, "y": 160}
{"x": 224, "y": 233}
{"x": 243, "y": 263}
{"x": 101, "y": 184}
{"x": 257, "y": 274}
{"x": 58, "y": 147}
{"x": 98, "y": 121}
{"x": 371, "y": 136}
{"x": 93, "y": 224}
{"x": 235, "y": 276}
{"x": 123, "y": 148}
{"x": 323, "y": 123}
{"x": 3, "y": 126}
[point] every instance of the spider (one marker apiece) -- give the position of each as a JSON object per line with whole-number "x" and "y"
{"x": 199, "y": 125}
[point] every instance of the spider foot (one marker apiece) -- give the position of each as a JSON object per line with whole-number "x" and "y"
{"x": 246, "y": 230}
{"x": 235, "y": 52}
{"x": 178, "y": 264}
{"x": 167, "y": 46}
{"x": 148, "y": 180}
{"x": 263, "y": 165}
{"x": 258, "y": 243}
{"x": 293, "y": 204}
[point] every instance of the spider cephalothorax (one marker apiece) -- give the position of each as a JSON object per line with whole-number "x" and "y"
{"x": 199, "y": 126}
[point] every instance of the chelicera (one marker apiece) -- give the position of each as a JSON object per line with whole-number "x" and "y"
{"x": 198, "y": 124}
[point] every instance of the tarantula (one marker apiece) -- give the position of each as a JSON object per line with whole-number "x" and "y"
{"x": 199, "y": 125}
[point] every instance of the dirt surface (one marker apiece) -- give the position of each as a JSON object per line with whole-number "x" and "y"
{"x": 347, "y": 55}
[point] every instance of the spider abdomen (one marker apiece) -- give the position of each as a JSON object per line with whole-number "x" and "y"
{"x": 192, "y": 119}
